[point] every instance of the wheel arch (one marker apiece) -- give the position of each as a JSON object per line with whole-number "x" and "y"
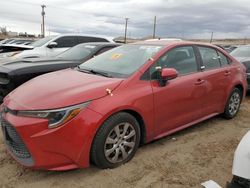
{"x": 134, "y": 113}
{"x": 131, "y": 112}
{"x": 241, "y": 88}
{"x": 141, "y": 122}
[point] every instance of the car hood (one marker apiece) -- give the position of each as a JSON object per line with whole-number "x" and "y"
{"x": 14, "y": 64}
{"x": 59, "y": 89}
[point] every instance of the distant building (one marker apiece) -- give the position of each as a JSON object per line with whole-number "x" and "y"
{"x": 12, "y": 34}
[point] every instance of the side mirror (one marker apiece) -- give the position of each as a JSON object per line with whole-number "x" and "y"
{"x": 166, "y": 74}
{"x": 169, "y": 73}
{"x": 52, "y": 45}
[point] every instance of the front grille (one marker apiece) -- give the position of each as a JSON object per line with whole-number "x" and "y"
{"x": 14, "y": 141}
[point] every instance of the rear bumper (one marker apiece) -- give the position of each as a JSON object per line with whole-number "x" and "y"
{"x": 63, "y": 148}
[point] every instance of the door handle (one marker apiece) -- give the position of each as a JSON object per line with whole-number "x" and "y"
{"x": 199, "y": 82}
{"x": 227, "y": 73}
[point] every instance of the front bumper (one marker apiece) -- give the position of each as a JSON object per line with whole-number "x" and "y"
{"x": 63, "y": 148}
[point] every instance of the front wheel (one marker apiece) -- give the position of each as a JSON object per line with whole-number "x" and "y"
{"x": 238, "y": 182}
{"x": 233, "y": 104}
{"x": 116, "y": 141}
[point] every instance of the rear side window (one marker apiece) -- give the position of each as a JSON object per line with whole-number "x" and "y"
{"x": 66, "y": 42}
{"x": 181, "y": 58}
{"x": 90, "y": 39}
{"x": 223, "y": 59}
{"x": 210, "y": 58}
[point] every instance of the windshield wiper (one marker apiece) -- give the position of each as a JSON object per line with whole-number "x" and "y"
{"x": 91, "y": 71}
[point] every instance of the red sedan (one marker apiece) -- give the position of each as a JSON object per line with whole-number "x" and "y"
{"x": 104, "y": 109}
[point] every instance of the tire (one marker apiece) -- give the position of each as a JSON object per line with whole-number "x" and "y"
{"x": 116, "y": 141}
{"x": 233, "y": 104}
{"x": 238, "y": 182}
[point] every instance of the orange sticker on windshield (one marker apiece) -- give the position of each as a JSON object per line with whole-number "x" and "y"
{"x": 116, "y": 56}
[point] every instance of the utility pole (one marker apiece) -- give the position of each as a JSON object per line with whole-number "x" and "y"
{"x": 126, "y": 27}
{"x": 43, "y": 15}
{"x": 212, "y": 35}
{"x": 154, "y": 28}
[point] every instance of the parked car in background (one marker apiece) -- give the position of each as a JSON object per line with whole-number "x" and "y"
{"x": 25, "y": 41}
{"x": 103, "y": 109}
{"x": 241, "y": 170}
{"x": 15, "y": 72}
{"x": 227, "y": 48}
{"x": 6, "y": 41}
{"x": 230, "y": 48}
{"x": 9, "y": 50}
{"x": 242, "y": 54}
{"x": 14, "y": 44}
{"x": 53, "y": 45}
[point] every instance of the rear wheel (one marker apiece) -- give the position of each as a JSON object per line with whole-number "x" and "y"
{"x": 116, "y": 141}
{"x": 233, "y": 104}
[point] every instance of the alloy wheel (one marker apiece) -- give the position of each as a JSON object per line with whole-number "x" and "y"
{"x": 234, "y": 103}
{"x": 120, "y": 143}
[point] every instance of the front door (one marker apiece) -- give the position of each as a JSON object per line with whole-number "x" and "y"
{"x": 179, "y": 102}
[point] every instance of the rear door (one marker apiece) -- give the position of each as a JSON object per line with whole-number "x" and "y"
{"x": 179, "y": 102}
{"x": 217, "y": 77}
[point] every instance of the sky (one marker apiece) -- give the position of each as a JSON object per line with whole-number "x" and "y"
{"x": 175, "y": 18}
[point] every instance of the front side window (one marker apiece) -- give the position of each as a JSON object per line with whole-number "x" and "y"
{"x": 122, "y": 61}
{"x": 66, "y": 42}
{"x": 210, "y": 58}
{"x": 42, "y": 41}
{"x": 182, "y": 59}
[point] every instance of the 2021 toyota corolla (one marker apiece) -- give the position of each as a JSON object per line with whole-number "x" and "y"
{"x": 102, "y": 110}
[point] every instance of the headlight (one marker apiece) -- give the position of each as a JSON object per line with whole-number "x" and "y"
{"x": 56, "y": 117}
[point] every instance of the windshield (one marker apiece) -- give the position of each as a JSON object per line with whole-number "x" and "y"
{"x": 77, "y": 52}
{"x": 123, "y": 61}
{"x": 41, "y": 42}
{"x": 243, "y": 51}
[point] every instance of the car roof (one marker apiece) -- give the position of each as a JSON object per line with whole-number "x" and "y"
{"x": 165, "y": 39}
{"x": 110, "y": 39}
{"x": 172, "y": 42}
{"x": 99, "y": 44}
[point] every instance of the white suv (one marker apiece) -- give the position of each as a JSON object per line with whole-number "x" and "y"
{"x": 53, "y": 45}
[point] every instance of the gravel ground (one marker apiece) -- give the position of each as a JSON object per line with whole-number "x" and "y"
{"x": 182, "y": 160}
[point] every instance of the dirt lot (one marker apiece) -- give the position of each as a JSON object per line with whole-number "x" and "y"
{"x": 181, "y": 161}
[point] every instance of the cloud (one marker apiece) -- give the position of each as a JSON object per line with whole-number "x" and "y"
{"x": 175, "y": 18}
